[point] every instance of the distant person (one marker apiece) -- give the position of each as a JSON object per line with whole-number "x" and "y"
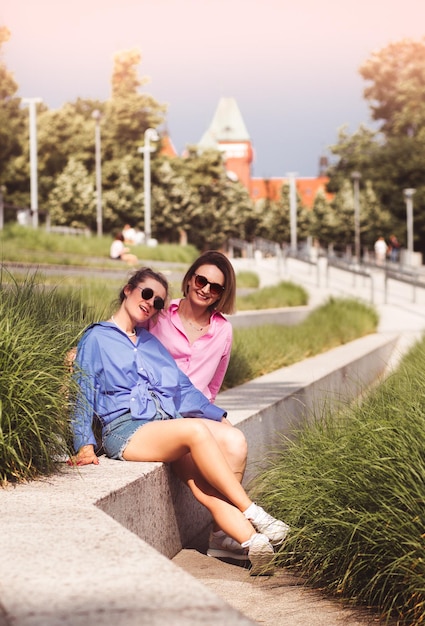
{"x": 119, "y": 252}
{"x": 130, "y": 235}
{"x": 394, "y": 249}
{"x": 380, "y": 248}
{"x": 139, "y": 237}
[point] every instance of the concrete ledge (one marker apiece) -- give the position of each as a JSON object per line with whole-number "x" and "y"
{"x": 64, "y": 561}
{"x": 84, "y": 547}
{"x": 288, "y": 316}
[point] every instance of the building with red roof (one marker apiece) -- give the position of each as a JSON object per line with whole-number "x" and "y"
{"x": 228, "y": 133}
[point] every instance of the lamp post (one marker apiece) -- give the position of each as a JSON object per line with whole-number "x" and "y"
{"x": 96, "y": 115}
{"x": 150, "y": 135}
{"x": 293, "y": 211}
{"x": 408, "y": 196}
{"x": 32, "y": 104}
{"x": 356, "y": 176}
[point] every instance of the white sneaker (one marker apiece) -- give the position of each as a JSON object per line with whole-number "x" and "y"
{"x": 225, "y": 547}
{"x": 275, "y": 530}
{"x": 261, "y": 555}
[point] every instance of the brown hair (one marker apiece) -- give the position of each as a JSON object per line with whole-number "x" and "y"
{"x": 139, "y": 276}
{"x": 226, "y": 302}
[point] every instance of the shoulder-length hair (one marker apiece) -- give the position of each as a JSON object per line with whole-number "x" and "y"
{"x": 226, "y": 302}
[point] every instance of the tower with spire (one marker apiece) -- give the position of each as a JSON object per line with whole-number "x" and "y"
{"x": 228, "y": 133}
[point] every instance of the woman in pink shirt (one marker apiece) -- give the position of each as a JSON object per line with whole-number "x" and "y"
{"x": 194, "y": 329}
{"x": 199, "y": 337}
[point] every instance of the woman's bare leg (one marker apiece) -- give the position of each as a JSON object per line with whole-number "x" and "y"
{"x": 233, "y": 444}
{"x": 171, "y": 440}
{"x": 226, "y": 516}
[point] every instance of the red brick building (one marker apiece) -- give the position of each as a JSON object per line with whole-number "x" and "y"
{"x": 228, "y": 134}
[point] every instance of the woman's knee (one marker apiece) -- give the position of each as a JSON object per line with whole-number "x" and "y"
{"x": 199, "y": 431}
{"x": 235, "y": 443}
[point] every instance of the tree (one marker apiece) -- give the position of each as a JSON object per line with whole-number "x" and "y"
{"x": 393, "y": 159}
{"x": 323, "y": 221}
{"x": 129, "y": 113}
{"x": 72, "y": 200}
{"x": 12, "y": 118}
{"x": 217, "y": 208}
{"x": 356, "y": 152}
{"x": 395, "y": 93}
{"x": 276, "y": 218}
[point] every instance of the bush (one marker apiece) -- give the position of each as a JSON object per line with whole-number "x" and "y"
{"x": 352, "y": 487}
{"x": 39, "y": 325}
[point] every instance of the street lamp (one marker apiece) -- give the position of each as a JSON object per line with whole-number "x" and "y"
{"x": 150, "y": 135}
{"x": 96, "y": 115}
{"x": 293, "y": 210}
{"x": 408, "y": 196}
{"x": 356, "y": 176}
{"x": 32, "y": 104}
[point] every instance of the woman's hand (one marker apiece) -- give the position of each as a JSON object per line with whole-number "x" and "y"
{"x": 85, "y": 456}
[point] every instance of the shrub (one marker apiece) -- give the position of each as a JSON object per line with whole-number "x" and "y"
{"x": 39, "y": 325}
{"x": 352, "y": 487}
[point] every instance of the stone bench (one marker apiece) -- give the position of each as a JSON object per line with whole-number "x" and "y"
{"x": 92, "y": 544}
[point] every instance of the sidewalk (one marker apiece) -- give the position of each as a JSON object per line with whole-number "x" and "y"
{"x": 403, "y": 312}
{"x": 282, "y": 599}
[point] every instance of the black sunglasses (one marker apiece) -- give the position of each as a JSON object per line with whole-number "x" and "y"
{"x": 147, "y": 294}
{"x": 215, "y": 288}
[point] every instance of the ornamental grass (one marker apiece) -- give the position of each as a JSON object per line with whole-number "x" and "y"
{"x": 38, "y": 326}
{"x": 258, "y": 350}
{"x": 352, "y": 487}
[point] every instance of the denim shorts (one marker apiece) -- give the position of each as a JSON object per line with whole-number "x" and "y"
{"x": 117, "y": 434}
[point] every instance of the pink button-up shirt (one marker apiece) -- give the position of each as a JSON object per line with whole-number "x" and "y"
{"x": 205, "y": 361}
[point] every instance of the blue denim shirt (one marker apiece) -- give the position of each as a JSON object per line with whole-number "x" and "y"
{"x": 115, "y": 375}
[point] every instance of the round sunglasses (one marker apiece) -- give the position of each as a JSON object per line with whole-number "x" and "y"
{"x": 215, "y": 288}
{"x": 147, "y": 294}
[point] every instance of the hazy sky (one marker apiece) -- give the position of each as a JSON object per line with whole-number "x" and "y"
{"x": 292, "y": 65}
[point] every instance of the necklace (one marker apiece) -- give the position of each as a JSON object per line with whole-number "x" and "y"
{"x": 129, "y": 334}
{"x": 186, "y": 319}
{"x": 198, "y": 328}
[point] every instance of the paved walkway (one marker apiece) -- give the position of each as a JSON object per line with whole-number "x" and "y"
{"x": 282, "y": 599}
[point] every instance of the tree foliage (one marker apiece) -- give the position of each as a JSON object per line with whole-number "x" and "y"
{"x": 12, "y": 117}
{"x": 396, "y": 76}
{"x": 192, "y": 198}
{"x": 393, "y": 158}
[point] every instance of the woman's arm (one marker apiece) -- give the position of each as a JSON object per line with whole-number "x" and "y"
{"x": 219, "y": 374}
{"x": 84, "y": 406}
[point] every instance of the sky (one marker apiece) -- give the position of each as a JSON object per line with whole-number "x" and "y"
{"x": 292, "y": 66}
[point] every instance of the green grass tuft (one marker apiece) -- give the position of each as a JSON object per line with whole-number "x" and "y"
{"x": 352, "y": 487}
{"x": 258, "y": 350}
{"x": 38, "y": 325}
{"x": 284, "y": 294}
